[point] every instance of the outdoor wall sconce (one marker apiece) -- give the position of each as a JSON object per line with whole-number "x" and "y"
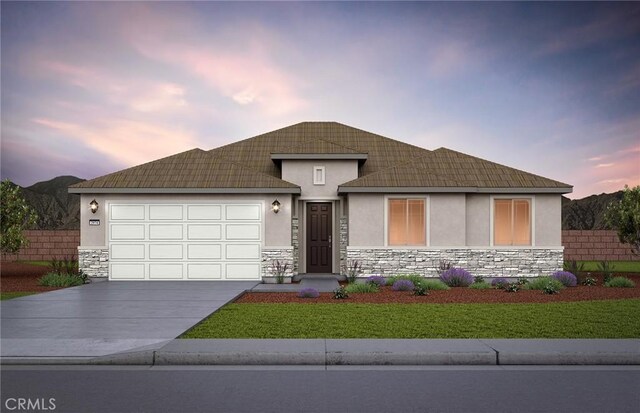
{"x": 94, "y": 206}
{"x": 275, "y": 206}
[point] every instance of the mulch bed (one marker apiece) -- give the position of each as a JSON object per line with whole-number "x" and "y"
{"x": 15, "y": 276}
{"x": 458, "y": 295}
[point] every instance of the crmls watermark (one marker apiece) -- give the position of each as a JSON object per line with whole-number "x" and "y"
{"x": 27, "y": 404}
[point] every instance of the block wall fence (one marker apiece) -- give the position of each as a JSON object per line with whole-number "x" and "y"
{"x": 578, "y": 245}
{"x": 48, "y": 244}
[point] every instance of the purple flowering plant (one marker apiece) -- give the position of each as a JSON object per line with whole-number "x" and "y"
{"x": 403, "y": 285}
{"x": 308, "y": 293}
{"x": 457, "y": 277}
{"x": 566, "y": 278}
{"x": 377, "y": 280}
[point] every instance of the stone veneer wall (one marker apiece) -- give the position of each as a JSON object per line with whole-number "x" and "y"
{"x": 94, "y": 262}
{"x": 295, "y": 231}
{"x": 485, "y": 262}
{"x": 344, "y": 240}
{"x": 271, "y": 255}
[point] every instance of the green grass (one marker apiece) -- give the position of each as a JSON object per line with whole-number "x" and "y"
{"x": 53, "y": 279}
{"x": 587, "y": 319}
{"x": 10, "y": 295}
{"x": 620, "y": 282}
{"x": 362, "y": 288}
{"x": 617, "y": 266}
{"x": 480, "y": 286}
{"x": 38, "y": 263}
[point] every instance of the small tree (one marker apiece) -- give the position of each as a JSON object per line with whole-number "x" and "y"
{"x": 624, "y": 216}
{"x": 15, "y": 216}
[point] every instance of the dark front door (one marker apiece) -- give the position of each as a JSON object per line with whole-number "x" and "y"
{"x": 319, "y": 224}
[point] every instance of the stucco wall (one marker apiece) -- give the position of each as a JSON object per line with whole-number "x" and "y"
{"x": 366, "y": 220}
{"x": 300, "y": 172}
{"x": 277, "y": 235}
{"x": 548, "y": 220}
{"x": 477, "y": 219}
{"x": 447, "y": 220}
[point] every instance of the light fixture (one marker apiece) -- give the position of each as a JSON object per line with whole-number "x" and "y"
{"x": 275, "y": 206}
{"x": 94, "y": 206}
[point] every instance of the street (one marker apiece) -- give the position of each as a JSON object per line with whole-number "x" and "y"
{"x": 316, "y": 389}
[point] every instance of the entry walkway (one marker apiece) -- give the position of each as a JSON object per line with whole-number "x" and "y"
{"x": 103, "y": 318}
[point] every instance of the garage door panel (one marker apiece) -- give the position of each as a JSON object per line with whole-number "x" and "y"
{"x": 197, "y": 241}
{"x": 204, "y": 212}
{"x": 167, "y": 231}
{"x": 127, "y": 232}
{"x": 242, "y": 251}
{"x": 165, "y": 251}
{"x": 127, "y": 252}
{"x": 165, "y": 271}
{"x": 204, "y": 251}
{"x": 240, "y": 232}
{"x": 165, "y": 212}
{"x": 127, "y": 271}
{"x": 204, "y": 232}
{"x": 204, "y": 271}
{"x": 242, "y": 212}
{"x": 127, "y": 212}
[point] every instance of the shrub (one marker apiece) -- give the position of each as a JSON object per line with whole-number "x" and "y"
{"x": 420, "y": 290}
{"x": 606, "y": 269}
{"x": 551, "y": 288}
{"x": 499, "y": 283}
{"x": 442, "y": 267}
{"x": 340, "y": 293}
{"x": 65, "y": 265}
{"x": 362, "y": 288}
{"x": 377, "y": 280}
{"x": 574, "y": 267}
{"x": 480, "y": 286}
{"x": 566, "y": 278}
{"x": 541, "y": 282}
{"x": 414, "y": 278}
{"x": 512, "y": 288}
{"x": 434, "y": 285}
{"x": 309, "y": 293}
{"x": 589, "y": 281}
{"x": 478, "y": 279}
{"x": 280, "y": 270}
{"x": 353, "y": 270}
{"x": 522, "y": 281}
{"x": 620, "y": 282}
{"x": 53, "y": 279}
{"x": 457, "y": 277}
{"x": 403, "y": 285}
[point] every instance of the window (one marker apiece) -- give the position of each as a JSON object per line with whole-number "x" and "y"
{"x": 512, "y": 222}
{"x": 406, "y": 222}
{"x": 318, "y": 175}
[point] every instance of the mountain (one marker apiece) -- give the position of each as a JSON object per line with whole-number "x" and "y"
{"x": 587, "y": 213}
{"x": 56, "y": 208}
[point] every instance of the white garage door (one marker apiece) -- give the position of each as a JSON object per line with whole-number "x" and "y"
{"x": 219, "y": 241}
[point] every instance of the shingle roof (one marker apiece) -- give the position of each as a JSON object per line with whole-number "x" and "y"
{"x": 445, "y": 168}
{"x": 247, "y": 164}
{"x": 194, "y": 169}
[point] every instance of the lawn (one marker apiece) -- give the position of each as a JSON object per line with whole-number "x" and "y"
{"x": 15, "y": 294}
{"x": 618, "y": 266}
{"x": 586, "y": 319}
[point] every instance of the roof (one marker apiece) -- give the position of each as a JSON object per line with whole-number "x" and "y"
{"x": 386, "y": 165}
{"x": 444, "y": 169}
{"x": 193, "y": 171}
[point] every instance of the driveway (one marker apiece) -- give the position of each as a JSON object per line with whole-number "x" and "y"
{"x": 108, "y": 317}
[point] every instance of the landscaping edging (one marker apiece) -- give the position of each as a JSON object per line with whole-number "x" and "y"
{"x": 333, "y": 352}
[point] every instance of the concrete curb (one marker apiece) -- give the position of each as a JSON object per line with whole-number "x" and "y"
{"x": 331, "y": 352}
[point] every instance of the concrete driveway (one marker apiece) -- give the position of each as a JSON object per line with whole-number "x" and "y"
{"x": 108, "y": 317}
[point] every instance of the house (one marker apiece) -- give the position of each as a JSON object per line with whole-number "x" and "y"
{"x": 317, "y": 196}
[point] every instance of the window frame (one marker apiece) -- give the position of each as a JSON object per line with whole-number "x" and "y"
{"x": 532, "y": 220}
{"x": 427, "y": 234}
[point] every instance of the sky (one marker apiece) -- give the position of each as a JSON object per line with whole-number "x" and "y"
{"x": 549, "y": 88}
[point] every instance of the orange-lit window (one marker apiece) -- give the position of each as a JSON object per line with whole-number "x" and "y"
{"x": 512, "y": 222}
{"x": 406, "y": 222}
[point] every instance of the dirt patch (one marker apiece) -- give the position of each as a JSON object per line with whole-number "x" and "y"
{"x": 457, "y": 295}
{"x": 15, "y": 276}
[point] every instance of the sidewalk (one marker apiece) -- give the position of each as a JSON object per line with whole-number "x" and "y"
{"x": 331, "y": 352}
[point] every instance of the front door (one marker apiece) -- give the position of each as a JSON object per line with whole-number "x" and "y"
{"x": 319, "y": 229}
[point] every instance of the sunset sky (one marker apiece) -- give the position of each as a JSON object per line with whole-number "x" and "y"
{"x": 552, "y": 89}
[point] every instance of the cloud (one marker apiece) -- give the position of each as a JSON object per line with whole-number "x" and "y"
{"x": 160, "y": 97}
{"x": 127, "y": 141}
{"x": 604, "y": 165}
{"x": 596, "y": 158}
